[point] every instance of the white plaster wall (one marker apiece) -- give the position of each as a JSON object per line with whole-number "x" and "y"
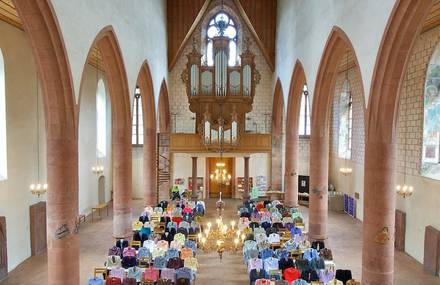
{"x": 137, "y": 172}
{"x": 303, "y": 27}
{"x": 303, "y": 156}
{"x": 422, "y": 209}
{"x": 88, "y": 181}
{"x": 21, "y": 124}
{"x": 140, "y": 28}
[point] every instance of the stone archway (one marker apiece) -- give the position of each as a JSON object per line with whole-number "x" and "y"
{"x": 145, "y": 84}
{"x": 41, "y": 27}
{"x": 403, "y": 28}
{"x": 107, "y": 44}
{"x": 277, "y": 137}
{"x": 336, "y": 47}
{"x": 292, "y": 119}
{"x": 164, "y": 109}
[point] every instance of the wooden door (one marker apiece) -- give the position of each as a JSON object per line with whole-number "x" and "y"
{"x": 101, "y": 190}
{"x": 3, "y": 250}
{"x": 215, "y": 187}
{"x": 38, "y": 228}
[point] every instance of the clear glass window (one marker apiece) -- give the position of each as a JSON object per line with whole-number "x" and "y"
{"x": 304, "y": 116}
{"x": 138, "y": 121}
{"x": 101, "y": 119}
{"x": 222, "y": 25}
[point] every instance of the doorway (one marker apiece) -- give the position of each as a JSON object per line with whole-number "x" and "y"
{"x": 101, "y": 190}
{"x": 215, "y": 187}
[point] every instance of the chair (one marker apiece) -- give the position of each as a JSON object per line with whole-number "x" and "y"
{"x": 100, "y": 270}
{"x": 135, "y": 244}
{"x": 147, "y": 282}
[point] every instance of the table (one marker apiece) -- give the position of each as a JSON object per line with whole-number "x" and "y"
{"x": 99, "y": 208}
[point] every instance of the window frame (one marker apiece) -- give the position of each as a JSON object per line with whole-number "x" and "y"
{"x": 305, "y": 94}
{"x": 346, "y": 89}
{"x": 137, "y": 105}
{"x": 231, "y": 23}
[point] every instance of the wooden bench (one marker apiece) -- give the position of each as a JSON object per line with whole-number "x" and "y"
{"x": 99, "y": 208}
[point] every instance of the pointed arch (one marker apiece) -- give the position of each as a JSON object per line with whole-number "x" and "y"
{"x": 337, "y": 45}
{"x": 277, "y": 137}
{"x": 403, "y": 28}
{"x": 292, "y": 119}
{"x": 42, "y": 29}
{"x": 164, "y": 115}
{"x": 114, "y": 69}
{"x": 145, "y": 83}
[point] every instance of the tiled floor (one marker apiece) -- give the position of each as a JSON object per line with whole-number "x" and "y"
{"x": 345, "y": 239}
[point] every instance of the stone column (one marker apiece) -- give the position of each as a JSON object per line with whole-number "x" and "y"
{"x": 379, "y": 208}
{"x": 291, "y": 171}
{"x": 277, "y": 160}
{"x": 62, "y": 209}
{"x": 194, "y": 179}
{"x": 150, "y": 167}
{"x": 318, "y": 198}
{"x": 246, "y": 185}
{"x": 122, "y": 183}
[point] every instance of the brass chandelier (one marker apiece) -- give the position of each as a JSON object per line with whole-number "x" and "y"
{"x": 220, "y": 174}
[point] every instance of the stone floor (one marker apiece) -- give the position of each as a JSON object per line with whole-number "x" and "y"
{"x": 345, "y": 239}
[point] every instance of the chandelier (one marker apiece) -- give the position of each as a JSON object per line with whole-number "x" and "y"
{"x": 221, "y": 238}
{"x": 220, "y": 174}
{"x": 98, "y": 169}
{"x": 38, "y": 188}
{"x": 404, "y": 190}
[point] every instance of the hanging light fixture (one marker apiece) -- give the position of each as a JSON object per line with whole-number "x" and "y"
{"x": 220, "y": 174}
{"x": 98, "y": 168}
{"x": 38, "y": 188}
{"x": 346, "y": 170}
{"x": 404, "y": 190}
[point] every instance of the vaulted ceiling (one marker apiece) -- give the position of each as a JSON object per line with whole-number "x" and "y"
{"x": 184, "y": 15}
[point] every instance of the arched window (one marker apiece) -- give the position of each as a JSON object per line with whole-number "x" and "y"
{"x": 222, "y": 25}
{"x": 431, "y": 122}
{"x": 345, "y": 121}
{"x": 101, "y": 119}
{"x": 137, "y": 137}
{"x": 3, "y": 139}
{"x": 304, "y": 115}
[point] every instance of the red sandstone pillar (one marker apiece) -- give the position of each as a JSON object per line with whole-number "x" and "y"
{"x": 62, "y": 209}
{"x": 194, "y": 179}
{"x": 291, "y": 170}
{"x": 150, "y": 165}
{"x": 246, "y": 185}
{"x": 318, "y": 198}
{"x": 379, "y": 208}
{"x": 122, "y": 183}
{"x": 277, "y": 160}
